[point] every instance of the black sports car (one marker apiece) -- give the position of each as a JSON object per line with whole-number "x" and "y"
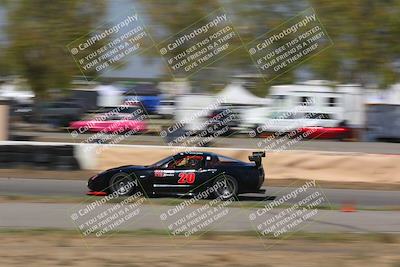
{"x": 185, "y": 173}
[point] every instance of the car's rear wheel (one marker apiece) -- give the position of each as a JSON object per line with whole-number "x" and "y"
{"x": 122, "y": 184}
{"x": 225, "y": 187}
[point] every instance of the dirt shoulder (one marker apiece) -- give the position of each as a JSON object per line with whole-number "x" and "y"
{"x": 58, "y": 248}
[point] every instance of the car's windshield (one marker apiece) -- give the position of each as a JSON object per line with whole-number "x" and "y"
{"x": 162, "y": 162}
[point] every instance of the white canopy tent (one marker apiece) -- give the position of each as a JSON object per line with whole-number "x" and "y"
{"x": 251, "y": 108}
{"x": 236, "y": 94}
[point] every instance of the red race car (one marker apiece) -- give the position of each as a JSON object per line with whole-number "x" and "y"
{"x": 316, "y": 132}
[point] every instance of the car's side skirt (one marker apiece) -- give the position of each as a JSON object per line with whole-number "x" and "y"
{"x": 170, "y": 185}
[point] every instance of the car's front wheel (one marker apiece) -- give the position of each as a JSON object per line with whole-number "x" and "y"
{"x": 225, "y": 187}
{"x": 122, "y": 184}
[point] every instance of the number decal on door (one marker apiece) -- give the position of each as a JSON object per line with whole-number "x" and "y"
{"x": 186, "y": 178}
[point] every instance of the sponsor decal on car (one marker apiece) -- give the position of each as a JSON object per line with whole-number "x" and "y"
{"x": 163, "y": 173}
{"x": 158, "y": 173}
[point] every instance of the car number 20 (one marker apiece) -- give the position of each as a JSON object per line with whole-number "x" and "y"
{"x": 186, "y": 178}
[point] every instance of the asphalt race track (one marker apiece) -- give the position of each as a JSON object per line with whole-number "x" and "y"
{"x": 58, "y": 215}
{"x": 39, "y": 215}
{"x": 47, "y": 187}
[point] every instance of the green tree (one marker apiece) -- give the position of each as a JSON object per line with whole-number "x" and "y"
{"x": 167, "y": 18}
{"x": 365, "y": 34}
{"x": 250, "y": 19}
{"x": 38, "y": 32}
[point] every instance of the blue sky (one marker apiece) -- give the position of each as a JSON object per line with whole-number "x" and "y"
{"x": 136, "y": 66}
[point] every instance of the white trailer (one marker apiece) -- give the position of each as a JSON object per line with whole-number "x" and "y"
{"x": 334, "y": 104}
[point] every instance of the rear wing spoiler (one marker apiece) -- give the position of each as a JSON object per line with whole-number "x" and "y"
{"x": 257, "y": 157}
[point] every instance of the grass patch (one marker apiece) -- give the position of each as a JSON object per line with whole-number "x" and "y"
{"x": 213, "y": 235}
{"x": 169, "y": 202}
{"x": 342, "y": 237}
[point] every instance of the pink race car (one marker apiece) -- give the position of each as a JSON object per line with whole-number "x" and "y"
{"x": 117, "y": 126}
{"x": 115, "y": 123}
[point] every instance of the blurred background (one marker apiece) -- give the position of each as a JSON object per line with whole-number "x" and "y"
{"x": 51, "y": 115}
{"x": 353, "y": 84}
